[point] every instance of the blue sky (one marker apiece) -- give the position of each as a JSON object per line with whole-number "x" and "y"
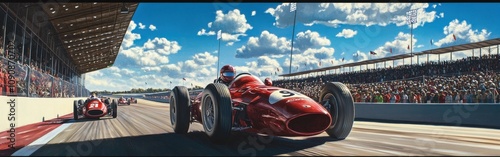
{"x": 166, "y": 42}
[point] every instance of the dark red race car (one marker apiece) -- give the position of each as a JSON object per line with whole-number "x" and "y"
{"x": 252, "y": 106}
{"x": 123, "y": 100}
{"x": 94, "y": 108}
{"x": 132, "y": 100}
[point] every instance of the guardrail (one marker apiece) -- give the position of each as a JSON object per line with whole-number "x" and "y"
{"x": 458, "y": 114}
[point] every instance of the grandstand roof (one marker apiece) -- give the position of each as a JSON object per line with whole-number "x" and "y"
{"x": 91, "y": 32}
{"x": 449, "y": 49}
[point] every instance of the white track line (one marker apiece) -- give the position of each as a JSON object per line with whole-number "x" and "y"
{"x": 35, "y": 145}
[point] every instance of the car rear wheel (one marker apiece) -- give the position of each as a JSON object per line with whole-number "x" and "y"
{"x": 179, "y": 109}
{"x": 75, "y": 110}
{"x": 337, "y": 99}
{"x": 216, "y": 112}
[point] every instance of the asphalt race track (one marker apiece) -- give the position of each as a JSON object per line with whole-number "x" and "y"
{"x": 144, "y": 129}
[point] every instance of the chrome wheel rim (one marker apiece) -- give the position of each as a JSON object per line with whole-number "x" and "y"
{"x": 331, "y": 105}
{"x": 209, "y": 118}
{"x": 172, "y": 110}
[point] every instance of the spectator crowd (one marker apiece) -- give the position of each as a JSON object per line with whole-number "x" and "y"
{"x": 469, "y": 80}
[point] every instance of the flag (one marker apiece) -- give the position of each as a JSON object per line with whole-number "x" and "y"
{"x": 372, "y": 53}
{"x": 219, "y": 34}
{"x": 319, "y": 62}
{"x": 332, "y": 61}
{"x": 454, "y": 38}
{"x": 390, "y": 50}
{"x": 278, "y": 69}
{"x": 297, "y": 68}
{"x": 342, "y": 59}
{"x": 170, "y": 82}
{"x": 184, "y": 79}
{"x": 408, "y": 47}
{"x": 293, "y": 7}
{"x": 431, "y": 41}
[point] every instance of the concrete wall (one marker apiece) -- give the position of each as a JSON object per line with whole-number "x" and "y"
{"x": 478, "y": 115}
{"x": 32, "y": 110}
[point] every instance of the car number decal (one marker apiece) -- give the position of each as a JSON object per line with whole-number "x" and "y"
{"x": 284, "y": 94}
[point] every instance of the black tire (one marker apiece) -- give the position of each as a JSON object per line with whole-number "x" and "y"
{"x": 218, "y": 95}
{"x": 179, "y": 109}
{"x": 341, "y": 109}
{"x": 75, "y": 110}
{"x": 114, "y": 106}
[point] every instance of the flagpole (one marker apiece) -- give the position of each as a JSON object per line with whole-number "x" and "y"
{"x": 218, "y": 59}
{"x": 411, "y": 44}
{"x": 293, "y": 37}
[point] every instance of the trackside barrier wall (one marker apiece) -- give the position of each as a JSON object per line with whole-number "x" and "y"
{"x": 157, "y": 100}
{"x": 465, "y": 114}
{"x": 32, "y": 110}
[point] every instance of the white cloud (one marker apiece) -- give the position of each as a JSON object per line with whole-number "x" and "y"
{"x": 274, "y": 46}
{"x": 204, "y": 32}
{"x": 266, "y": 44}
{"x": 309, "y": 39}
{"x": 434, "y": 5}
{"x": 463, "y": 33}
{"x": 141, "y": 26}
{"x": 152, "y": 27}
{"x": 264, "y": 66}
{"x": 153, "y": 52}
{"x": 129, "y": 38}
{"x": 334, "y": 14}
{"x": 347, "y": 33}
{"x": 399, "y": 46}
{"x": 233, "y": 25}
{"x": 343, "y": 53}
{"x": 253, "y": 13}
{"x": 312, "y": 58}
{"x": 441, "y": 15}
{"x": 199, "y": 70}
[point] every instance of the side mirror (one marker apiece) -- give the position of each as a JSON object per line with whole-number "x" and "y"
{"x": 268, "y": 82}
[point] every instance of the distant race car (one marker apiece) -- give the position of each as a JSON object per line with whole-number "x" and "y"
{"x": 94, "y": 108}
{"x": 123, "y": 100}
{"x": 250, "y": 105}
{"x": 132, "y": 100}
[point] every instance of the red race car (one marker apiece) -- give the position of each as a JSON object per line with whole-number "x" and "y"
{"x": 94, "y": 108}
{"x": 132, "y": 100}
{"x": 123, "y": 100}
{"x": 252, "y": 106}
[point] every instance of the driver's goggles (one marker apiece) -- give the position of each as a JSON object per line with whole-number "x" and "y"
{"x": 228, "y": 74}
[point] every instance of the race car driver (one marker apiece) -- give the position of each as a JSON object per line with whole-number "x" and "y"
{"x": 93, "y": 96}
{"x": 227, "y": 73}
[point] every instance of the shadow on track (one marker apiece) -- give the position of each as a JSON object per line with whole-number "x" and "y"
{"x": 193, "y": 144}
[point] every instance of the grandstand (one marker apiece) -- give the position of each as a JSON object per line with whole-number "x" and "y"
{"x": 46, "y": 48}
{"x": 474, "y": 79}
